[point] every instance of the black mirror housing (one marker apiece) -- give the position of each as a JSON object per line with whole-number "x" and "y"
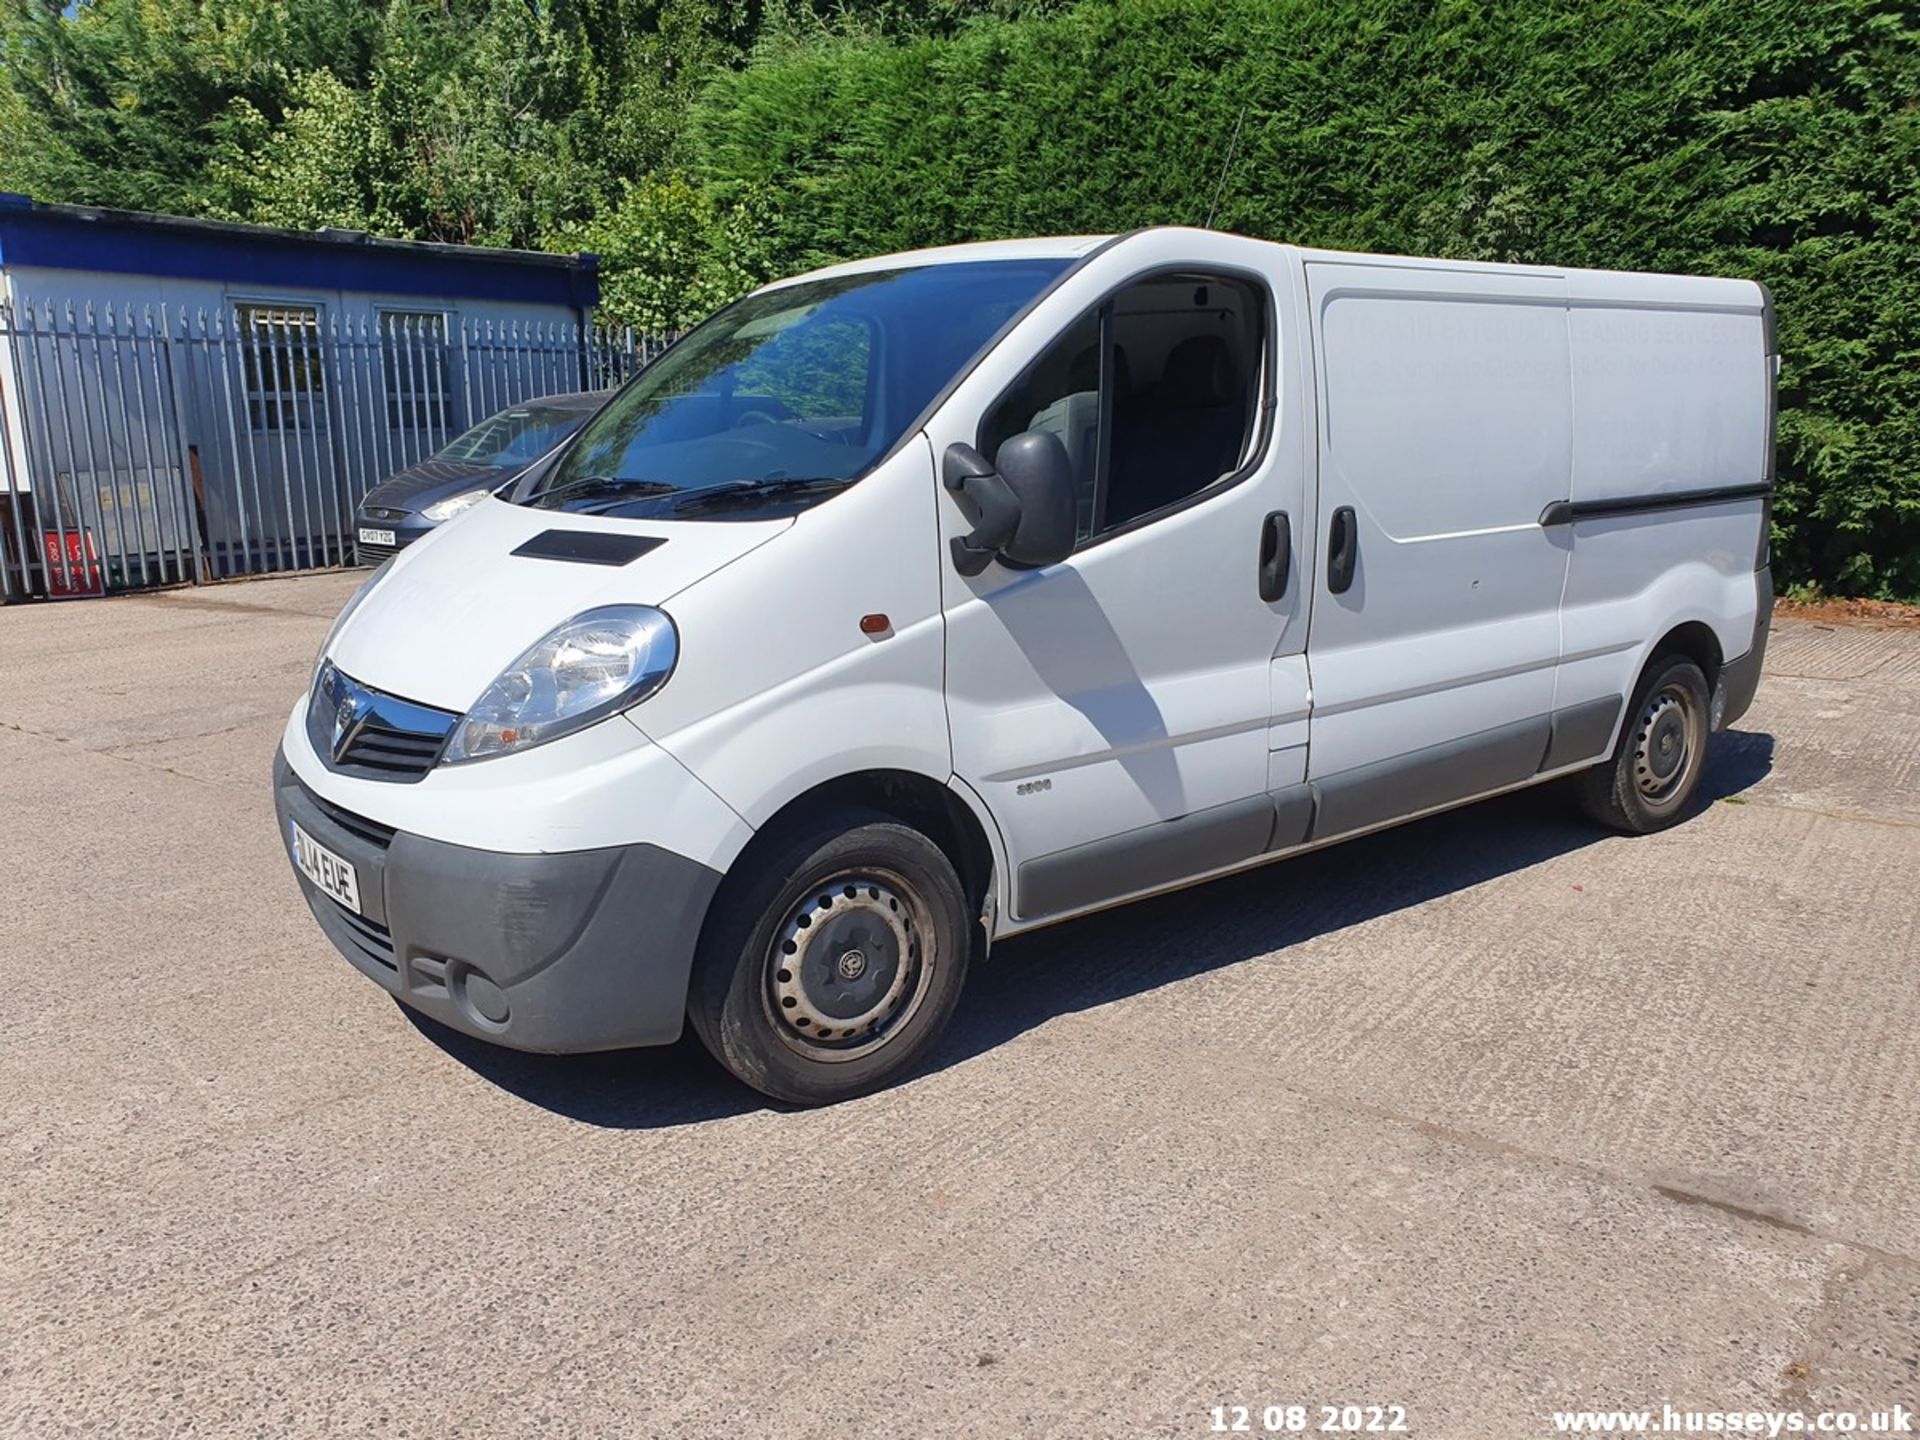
{"x": 1022, "y": 503}
{"x": 1039, "y": 472}
{"x": 986, "y": 500}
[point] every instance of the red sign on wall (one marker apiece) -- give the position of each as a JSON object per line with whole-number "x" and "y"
{"x": 79, "y": 572}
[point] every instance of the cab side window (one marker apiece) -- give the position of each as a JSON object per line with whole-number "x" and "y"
{"x": 1060, "y": 393}
{"x": 1155, "y": 395}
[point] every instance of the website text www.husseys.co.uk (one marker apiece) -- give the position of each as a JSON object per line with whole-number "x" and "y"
{"x": 1771, "y": 1423}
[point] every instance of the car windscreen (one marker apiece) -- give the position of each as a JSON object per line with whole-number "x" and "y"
{"x": 515, "y": 437}
{"x": 789, "y": 396}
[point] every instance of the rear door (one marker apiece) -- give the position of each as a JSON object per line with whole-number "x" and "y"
{"x": 1112, "y": 711}
{"x": 1445, "y": 430}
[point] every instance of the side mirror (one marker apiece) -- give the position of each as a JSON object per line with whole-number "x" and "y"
{"x": 1022, "y": 505}
{"x": 1038, "y": 470}
{"x": 986, "y": 500}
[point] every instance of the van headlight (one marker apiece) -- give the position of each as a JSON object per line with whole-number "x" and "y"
{"x": 599, "y": 662}
{"x": 443, "y": 510}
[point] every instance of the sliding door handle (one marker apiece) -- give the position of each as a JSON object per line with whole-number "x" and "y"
{"x": 1343, "y": 549}
{"x": 1276, "y": 555}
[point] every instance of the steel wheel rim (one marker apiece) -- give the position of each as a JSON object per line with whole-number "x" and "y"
{"x": 1668, "y": 739}
{"x": 849, "y": 965}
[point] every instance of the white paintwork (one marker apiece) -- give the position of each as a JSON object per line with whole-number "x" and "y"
{"x": 1059, "y": 247}
{"x": 1673, "y": 390}
{"x": 1445, "y": 419}
{"x": 1143, "y": 678}
{"x": 777, "y": 688}
{"x": 1638, "y": 577}
{"x": 602, "y": 786}
{"x": 1136, "y": 676}
{"x": 1672, "y": 378}
{"x": 458, "y": 606}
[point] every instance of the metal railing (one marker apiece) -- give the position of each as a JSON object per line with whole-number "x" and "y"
{"x": 158, "y": 446}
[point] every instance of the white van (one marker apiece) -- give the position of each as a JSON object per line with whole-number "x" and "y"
{"x": 930, "y": 599}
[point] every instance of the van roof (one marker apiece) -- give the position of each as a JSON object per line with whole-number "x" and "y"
{"x": 1647, "y": 287}
{"x": 1057, "y": 247}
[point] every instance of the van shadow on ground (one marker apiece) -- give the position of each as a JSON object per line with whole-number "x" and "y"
{"x": 1081, "y": 964}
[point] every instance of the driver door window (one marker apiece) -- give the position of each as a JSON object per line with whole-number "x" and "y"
{"x": 1155, "y": 396}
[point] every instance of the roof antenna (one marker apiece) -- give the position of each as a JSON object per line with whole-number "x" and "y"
{"x": 1232, "y": 144}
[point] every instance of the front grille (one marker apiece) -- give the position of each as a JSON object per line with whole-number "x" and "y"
{"x": 394, "y": 754}
{"x": 370, "y": 938}
{"x": 358, "y": 730}
{"x": 371, "y": 831}
{"x": 365, "y": 554}
{"x": 383, "y": 512}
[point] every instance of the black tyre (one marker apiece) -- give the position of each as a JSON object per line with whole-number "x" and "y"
{"x": 1655, "y": 770}
{"x": 833, "y": 959}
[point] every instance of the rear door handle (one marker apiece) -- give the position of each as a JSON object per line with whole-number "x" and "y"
{"x": 1276, "y": 555}
{"x": 1343, "y": 549}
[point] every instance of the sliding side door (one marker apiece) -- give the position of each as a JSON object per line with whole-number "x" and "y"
{"x": 1445, "y": 429}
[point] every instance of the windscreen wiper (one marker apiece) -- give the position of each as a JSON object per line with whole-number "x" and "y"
{"x": 750, "y": 492}
{"x": 595, "y": 487}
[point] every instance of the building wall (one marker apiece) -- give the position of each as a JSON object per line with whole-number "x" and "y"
{"x": 13, "y": 458}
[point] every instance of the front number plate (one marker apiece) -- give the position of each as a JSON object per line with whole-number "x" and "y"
{"x": 375, "y": 537}
{"x": 333, "y": 875}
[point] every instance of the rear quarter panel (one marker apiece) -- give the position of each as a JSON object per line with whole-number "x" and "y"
{"x": 1671, "y": 379}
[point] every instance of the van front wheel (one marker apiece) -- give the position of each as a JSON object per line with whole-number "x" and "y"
{"x": 833, "y": 960}
{"x": 1651, "y": 778}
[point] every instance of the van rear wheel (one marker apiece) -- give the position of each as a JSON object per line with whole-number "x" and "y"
{"x": 1655, "y": 770}
{"x": 834, "y": 959}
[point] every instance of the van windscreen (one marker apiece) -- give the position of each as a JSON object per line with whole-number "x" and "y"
{"x": 789, "y": 396}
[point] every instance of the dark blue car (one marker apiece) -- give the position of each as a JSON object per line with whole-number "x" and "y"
{"x": 410, "y": 502}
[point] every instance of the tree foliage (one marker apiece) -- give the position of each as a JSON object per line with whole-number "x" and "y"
{"x": 1776, "y": 139}
{"x": 118, "y": 103}
{"x": 541, "y": 124}
{"x": 669, "y": 255}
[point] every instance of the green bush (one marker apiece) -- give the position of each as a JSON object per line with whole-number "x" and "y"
{"x": 669, "y": 256}
{"x": 1777, "y": 139}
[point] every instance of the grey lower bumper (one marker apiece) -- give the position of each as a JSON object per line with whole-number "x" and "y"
{"x": 589, "y": 950}
{"x": 1740, "y": 678}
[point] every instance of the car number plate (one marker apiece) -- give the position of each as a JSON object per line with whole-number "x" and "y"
{"x": 375, "y": 537}
{"x": 334, "y": 876}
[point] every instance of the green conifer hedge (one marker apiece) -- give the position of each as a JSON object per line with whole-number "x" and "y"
{"x": 1777, "y": 139}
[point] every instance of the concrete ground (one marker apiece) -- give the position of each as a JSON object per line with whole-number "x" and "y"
{"x": 1487, "y": 1117}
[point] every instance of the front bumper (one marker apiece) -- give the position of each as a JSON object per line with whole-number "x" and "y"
{"x": 584, "y": 950}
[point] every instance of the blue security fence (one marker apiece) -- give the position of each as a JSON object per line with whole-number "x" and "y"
{"x": 161, "y": 446}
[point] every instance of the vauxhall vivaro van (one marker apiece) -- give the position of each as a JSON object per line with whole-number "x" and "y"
{"x": 933, "y": 598}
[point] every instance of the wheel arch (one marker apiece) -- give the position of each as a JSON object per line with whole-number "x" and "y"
{"x": 909, "y": 796}
{"x": 1694, "y": 639}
